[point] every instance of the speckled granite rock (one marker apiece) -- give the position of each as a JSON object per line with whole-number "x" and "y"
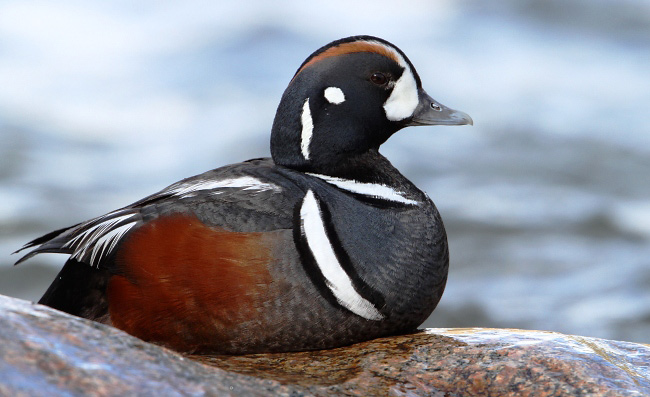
{"x": 44, "y": 352}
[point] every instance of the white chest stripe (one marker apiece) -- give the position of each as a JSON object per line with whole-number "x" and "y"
{"x": 243, "y": 182}
{"x": 336, "y": 278}
{"x": 307, "y": 129}
{"x": 375, "y": 190}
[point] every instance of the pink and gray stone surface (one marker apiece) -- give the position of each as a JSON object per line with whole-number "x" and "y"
{"x": 44, "y": 352}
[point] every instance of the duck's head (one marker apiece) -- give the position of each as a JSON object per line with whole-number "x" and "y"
{"x": 348, "y": 98}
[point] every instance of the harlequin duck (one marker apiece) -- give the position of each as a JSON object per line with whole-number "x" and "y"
{"x": 324, "y": 244}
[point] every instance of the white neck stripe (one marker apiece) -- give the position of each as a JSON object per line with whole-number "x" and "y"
{"x": 336, "y": 278}
{"x": 374, "y": 190}
{"x": 307, "y": 129}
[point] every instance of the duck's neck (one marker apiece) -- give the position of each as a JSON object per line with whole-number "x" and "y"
{"x": 311, "y": 135}
{"x": 368, "y": 167}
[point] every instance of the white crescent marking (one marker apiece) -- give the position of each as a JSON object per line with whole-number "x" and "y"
{"x": 307, "y": 129}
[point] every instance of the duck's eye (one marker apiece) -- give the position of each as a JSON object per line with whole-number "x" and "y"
{"x": 379, "y": 78}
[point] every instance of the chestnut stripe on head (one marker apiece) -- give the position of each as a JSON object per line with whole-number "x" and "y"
{"x": 404, "y": 96}
{"x": 354, "y": 47}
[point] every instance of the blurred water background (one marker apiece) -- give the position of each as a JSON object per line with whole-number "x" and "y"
{"x": 546, "y": 199}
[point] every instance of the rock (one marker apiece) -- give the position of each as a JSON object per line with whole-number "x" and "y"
{"x": 45, "y": 352}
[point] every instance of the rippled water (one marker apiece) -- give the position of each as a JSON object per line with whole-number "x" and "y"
{"x": 546, "y": 199}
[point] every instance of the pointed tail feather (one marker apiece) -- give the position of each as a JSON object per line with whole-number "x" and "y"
{"x": 87, "y": 242}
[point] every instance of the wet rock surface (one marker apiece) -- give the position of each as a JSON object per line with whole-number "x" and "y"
{"x": 45, "y": 352}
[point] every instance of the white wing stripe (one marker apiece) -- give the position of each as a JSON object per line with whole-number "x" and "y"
{"x": 100, "y": 239}
{"x": 107, "y": 242}
{"x": 336, "y": 278}
{"x": 187, "y": 189}
{"x": 82, "y": 237}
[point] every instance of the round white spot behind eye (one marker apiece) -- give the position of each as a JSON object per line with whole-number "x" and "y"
{"x": 334, "y": 95}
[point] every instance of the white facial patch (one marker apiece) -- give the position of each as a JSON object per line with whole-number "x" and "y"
{"x": 404, "y": 99}
{"x": 334, "y": 95}
{"x": 336, "y": 278}
{"x": 307, "y": 129}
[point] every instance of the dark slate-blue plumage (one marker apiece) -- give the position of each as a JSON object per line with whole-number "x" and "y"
{"x": 323, "y": 245}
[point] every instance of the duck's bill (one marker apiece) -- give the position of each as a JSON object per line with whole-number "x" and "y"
{"x": 431, "y": 112}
